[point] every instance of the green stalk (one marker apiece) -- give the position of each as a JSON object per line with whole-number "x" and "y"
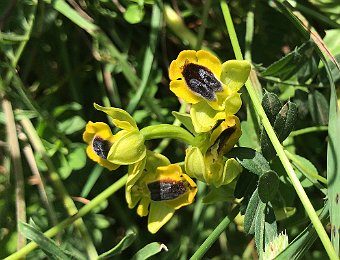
{"x": 14, "y": 151}
{"x": 167, "y": 131}
{"x": 308, "y": 130}
{"x": 277, "y": 145}
{"x": 59, "y": 186}
{"x": 64, "y": 224}
{"x": 215, "y": 234}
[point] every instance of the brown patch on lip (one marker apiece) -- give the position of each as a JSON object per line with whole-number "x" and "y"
{"x": 166, "y": 189}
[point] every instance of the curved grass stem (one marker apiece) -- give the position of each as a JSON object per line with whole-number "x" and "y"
{"x": 276, "y": 143}
{"x": 82, "y": 212}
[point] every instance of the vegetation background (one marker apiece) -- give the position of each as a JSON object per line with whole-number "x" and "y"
{"x": 59, "y": 57}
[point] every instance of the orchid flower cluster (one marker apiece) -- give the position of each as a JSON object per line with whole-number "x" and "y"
{"x": 154, "y": 185}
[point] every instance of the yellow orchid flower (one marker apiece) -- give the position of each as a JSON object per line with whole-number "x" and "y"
{"x": 99, "y": 138}
{"x": 124, "y": 148}
{"x": 196, "y": 77}
{"x": 207, "y": 163}
{"x": 159, "y": 188}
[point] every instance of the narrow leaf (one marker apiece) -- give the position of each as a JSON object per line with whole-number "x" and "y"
{"x": 149, "y": 250}
{"x": 120, "y": 247}
{"x": 46, "y": 244}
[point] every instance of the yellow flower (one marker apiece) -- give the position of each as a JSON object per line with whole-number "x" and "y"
{"x": 199, "y": 78}
{"x": 99, "y": 138}
{"x": 207, "y": 163}
{"x": 160, "y": 188}
{"x": 195, "y": 77}
{"x": 124, "y": 148}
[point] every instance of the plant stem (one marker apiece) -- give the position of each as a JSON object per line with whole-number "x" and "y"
{"x": 215, "y": 234}
{"x": 308, "y": 130}
{"x": 14, "y": 150}
{"x": 82, "y": 212}
{"x": 59, "y": 186}
{"x": 167, "y": 131}
{"x": 277, "y": 145}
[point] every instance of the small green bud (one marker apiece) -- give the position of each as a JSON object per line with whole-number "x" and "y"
{"x": 128, "y": 149}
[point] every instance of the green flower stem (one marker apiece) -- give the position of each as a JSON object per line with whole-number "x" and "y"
{"x": 277, "y": 145}
{"x": 308, "y": 130}
{"x": 64, "y": 224}
{"x": 167, "y": 131}
{"x": 165, "y": 142}
{"x": 215, "y": 234}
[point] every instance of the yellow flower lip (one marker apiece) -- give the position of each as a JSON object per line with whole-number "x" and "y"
{"x": 101, "y": 147}
{"x": 99, "y": 138}
{"x": 201, "y": 81}
{"x": 195, "y": 77}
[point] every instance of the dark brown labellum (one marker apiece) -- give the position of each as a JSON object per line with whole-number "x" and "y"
{"x": 101, "y": 147}
{"x": 201, "y": 81}
{"x": 166, "y": 189}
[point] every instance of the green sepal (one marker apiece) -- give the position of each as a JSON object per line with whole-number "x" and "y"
{"x": 194, "y": 163}
{"x": 268, "y": 186}
{"x": 231, "y": 171}
{"x": 128, "y": 149}
{"x": 204, "y": 118}
{"x": 235, "y": 73}
{"x": 120, "y": 117}
{"x": 185, "y": 119}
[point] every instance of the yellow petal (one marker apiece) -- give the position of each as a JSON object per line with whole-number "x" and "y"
{"x": 143, "y": 207}
{"x": 209, "y": 61}
{"x": 181, "y": 90}
{"x": 159, "y": 214}
{"x": 175, "y": 71}
{"x": 93, "y": 156}
{"x": 186, "y": 56}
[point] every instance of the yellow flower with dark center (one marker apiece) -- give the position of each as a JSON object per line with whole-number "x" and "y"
{"x": 195, "y": 77}
{"x": 200, "y": 79}
{"x": 207, "y": 163}
{"x": 99, "y": 138}
{"x": 124, "y": 148}
{"x": 158, "y": 189}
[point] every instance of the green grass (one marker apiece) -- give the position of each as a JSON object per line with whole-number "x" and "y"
{"x": 59, "y": 57}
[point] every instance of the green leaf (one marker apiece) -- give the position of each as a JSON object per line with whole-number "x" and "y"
{"x": 121, "y": 246}
{"x": 267, "y": 148}
{"x": 51, "y": 249}
{"x": 77, "y": 156}
{"x": 268, "y": 186}
{"x": 246, "y": 184}
{"x": 259, "y": 218}
{"x": 285, "y": 120}
{"x": 302, "y": 243}
{"x": 287, "y": 66}
{"x": 271, "y": 105}
{"x": 250, "y": 159}
{"x": 270, "y": 225}
{"x": 149, "y": 250}
{"x": 249, "y": 217}
{"x": 224, "y": 193}
{"x": 318, "y": 107}
{"x": 134, "y": 13}
{"x": 72, "y": 125}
